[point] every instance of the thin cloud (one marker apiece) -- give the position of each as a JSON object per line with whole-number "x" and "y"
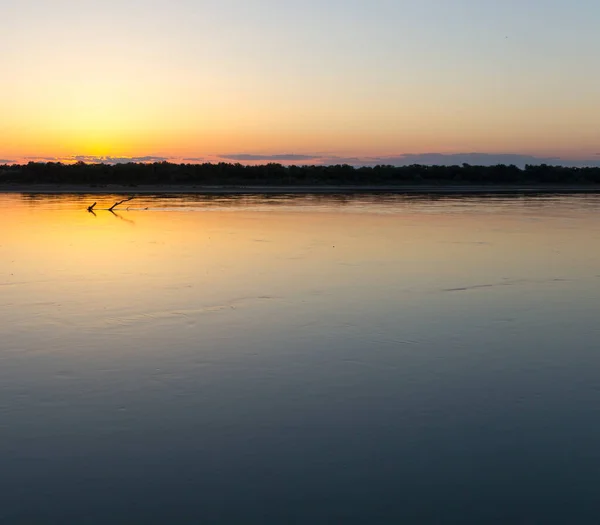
{"x": 321, "y": 159}
{"x": 286, "y": 157}
{"x": 452, "y": 159}
{"x": 331, "y": 160}
{"x": 91, "y": 159}
{"x": 42, "y": 159}
{"x": 407, "y": 159}
{"x": 476, "y": 159}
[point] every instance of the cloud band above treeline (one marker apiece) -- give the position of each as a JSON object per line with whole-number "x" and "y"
{"x": 407, "y": 159}
{"x": 404, "y": 159}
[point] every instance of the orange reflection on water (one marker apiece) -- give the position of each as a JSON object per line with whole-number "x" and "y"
{"x": 157, "y": 254}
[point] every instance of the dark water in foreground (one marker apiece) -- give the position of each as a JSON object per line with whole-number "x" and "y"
{"x": 365, "y": 360}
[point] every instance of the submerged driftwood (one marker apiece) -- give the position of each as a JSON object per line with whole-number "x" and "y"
{"x": 111, "y": 209}
{"x": 120, "y": 202}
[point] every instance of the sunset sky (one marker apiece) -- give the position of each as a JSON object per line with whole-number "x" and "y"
{"x": 233, "y": 79}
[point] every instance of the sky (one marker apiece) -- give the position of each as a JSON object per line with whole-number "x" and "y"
{"x": 322, "y": 81}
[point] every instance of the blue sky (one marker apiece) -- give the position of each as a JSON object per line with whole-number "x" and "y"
{"x": 270, "y": 77}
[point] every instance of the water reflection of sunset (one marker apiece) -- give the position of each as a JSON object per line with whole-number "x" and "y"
{"x": 194, "y": 339}
{"x": 269, "y": 249}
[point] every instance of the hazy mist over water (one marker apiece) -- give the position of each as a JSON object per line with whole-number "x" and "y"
{"x": 320, "y": 359}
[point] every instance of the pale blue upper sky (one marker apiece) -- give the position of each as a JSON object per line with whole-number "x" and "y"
{"x": 378, "y": 76}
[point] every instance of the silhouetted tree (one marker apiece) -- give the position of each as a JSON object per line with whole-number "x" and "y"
{"x": 132, "y": 174}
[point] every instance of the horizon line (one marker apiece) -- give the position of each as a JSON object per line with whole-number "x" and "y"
{"x": 289, "y": 159}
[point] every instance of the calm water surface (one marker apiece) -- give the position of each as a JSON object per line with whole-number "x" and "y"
{"x": 300, "y": 360}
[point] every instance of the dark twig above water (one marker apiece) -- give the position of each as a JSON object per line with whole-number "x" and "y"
{"x": 112, "y": 208}
{"x": 120, "y": 202}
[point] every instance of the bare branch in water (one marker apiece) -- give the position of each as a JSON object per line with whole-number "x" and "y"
{"x": 91, "y": 208}
{"x": 120, "y": 202}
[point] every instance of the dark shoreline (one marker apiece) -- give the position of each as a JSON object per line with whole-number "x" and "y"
{"x": 228, "y": 178}
{"x": 409, "y": 189}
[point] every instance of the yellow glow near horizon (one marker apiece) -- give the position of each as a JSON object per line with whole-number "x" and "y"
{"x": 193, "y": 80}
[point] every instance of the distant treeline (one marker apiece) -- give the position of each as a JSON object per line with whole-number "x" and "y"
{"x": 133, "y": 174}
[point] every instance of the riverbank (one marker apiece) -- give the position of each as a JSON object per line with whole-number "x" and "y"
{"x": 416, "y": 189}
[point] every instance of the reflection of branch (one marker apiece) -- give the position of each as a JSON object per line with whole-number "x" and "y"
{"x": 120, "y": 202}
{"x": 121, "y": 217}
